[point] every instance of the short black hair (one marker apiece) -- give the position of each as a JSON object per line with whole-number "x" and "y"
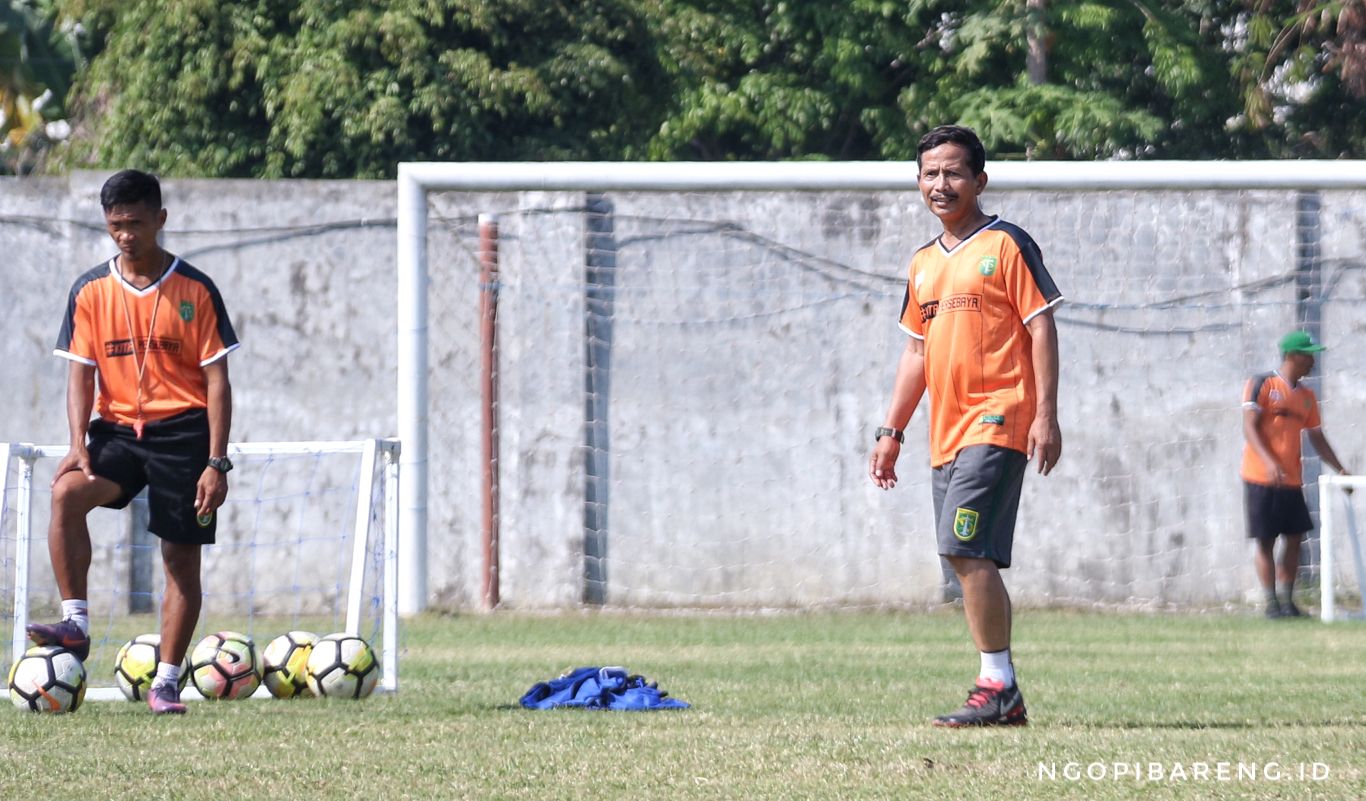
{"x": 957, "y": 135}
{"x": 131, "y": 186}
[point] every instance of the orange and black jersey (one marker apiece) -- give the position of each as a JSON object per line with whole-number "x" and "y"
{"x": 1283, "y": 413}
{"x": 970, "y": 305}
{"x": 173, "y": 327}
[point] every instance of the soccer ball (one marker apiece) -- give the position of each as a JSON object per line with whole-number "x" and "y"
{"x": 47, "y": 679}
{"x": 135, "y": 666}
{"x": 223, "y": 666}
{"x": 342, "y": 666}
{"x": 284, "y": 664}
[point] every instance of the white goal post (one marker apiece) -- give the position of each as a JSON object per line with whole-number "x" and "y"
{"x": 370, "y": 567}
{"x": 416, "y": 181}
{"x": 1335, "y": 492}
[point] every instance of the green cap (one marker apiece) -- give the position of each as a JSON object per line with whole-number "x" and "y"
{"x": 1299, "y": 342}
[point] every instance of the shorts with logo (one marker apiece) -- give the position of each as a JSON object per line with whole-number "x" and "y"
{"x": 976, "y": 498}
{"x": 1272, "y": 511}
{"x": 168, "y": 461}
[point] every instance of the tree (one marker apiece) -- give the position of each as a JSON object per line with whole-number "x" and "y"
{"x": 346, "y": 88}
{"x": 37, "y": 61}
{"x": 1302, "y": 67}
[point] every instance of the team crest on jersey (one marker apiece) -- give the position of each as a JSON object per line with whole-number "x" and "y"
{"x": 987, "y": 265}
{"x": 187, "y": 311}
{"x": 965, "y": 524}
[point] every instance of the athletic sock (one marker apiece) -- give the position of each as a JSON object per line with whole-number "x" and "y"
{"x": 78, "y": 612}
{"x": 1289, "y": 593}
{"x": 996, "y": 666}
{"x": 166, "y": 674}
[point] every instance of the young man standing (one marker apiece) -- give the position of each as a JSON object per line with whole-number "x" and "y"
{"x": 155, "y": 333}
{"x": 978, "y": 310}
{"x": 1276, "y": 408}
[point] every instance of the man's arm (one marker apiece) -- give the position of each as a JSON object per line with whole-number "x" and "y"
{"x": 80, "y": 399}
{"x": 213, "y": 485}
{"x": 1325, "y": 451}
{"x": 907, "y": 389}
{"x": 1045, "y": 436}
{"x": 1254, "y": 439}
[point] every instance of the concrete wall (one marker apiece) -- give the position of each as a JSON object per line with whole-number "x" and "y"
{"x": 753, "y": 342}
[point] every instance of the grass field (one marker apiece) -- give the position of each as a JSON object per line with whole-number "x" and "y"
{"x": 821, "y": 706}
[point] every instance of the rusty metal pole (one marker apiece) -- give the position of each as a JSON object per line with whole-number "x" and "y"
{"x": 488, "y": 349}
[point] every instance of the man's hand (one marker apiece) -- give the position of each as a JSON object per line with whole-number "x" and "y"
{"x": 211, "y": 491}
{"x": 1045, "y": 439}
{"x": 78, "y": 458}
{"x": 882, "y": 469}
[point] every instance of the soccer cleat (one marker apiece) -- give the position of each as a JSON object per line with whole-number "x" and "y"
{"x": 63, "y": 635}
{"x": 1288, "y": 609}
{"x": 990, "y": 703}
{"x": 164, "y": 699}
{"x": 1274, "y": 610}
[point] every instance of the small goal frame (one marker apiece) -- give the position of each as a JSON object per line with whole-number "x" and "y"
{"x": 1330, "y": 489}
{"x": 373, "y": 453}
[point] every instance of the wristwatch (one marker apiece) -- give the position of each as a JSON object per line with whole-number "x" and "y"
{"x": 221, "y": 463}
{"x": 884, "y": 431}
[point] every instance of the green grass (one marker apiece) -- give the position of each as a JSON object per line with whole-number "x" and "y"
{"x": 828, "y": 706}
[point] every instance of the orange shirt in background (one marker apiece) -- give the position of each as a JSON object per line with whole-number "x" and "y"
{"x": 1283, "y": 413}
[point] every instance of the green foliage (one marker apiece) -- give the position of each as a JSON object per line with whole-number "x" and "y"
{"x": 344, "y": 88}
{"x": 347, "y": 88}
{"x": 37, "y": 61}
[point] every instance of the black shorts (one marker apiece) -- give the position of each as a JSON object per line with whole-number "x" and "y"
{"x": 976, "y": 498}
{"x": 1273, "y": 511}
{"x": 168, "y": 461}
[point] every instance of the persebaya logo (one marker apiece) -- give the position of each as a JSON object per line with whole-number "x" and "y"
{"x": 987, "y": 265}
{"x": 965, "y": 524}
{"x": 187, "y": 311}
{"x": 204, "y": 520}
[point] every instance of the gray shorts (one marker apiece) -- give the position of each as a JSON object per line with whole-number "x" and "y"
{"x": 976, "y": 497}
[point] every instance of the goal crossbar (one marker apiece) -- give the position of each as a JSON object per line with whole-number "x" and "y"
{"x": 382, "y": 453}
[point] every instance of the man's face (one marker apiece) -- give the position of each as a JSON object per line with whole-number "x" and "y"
{"x": 1300, "y": 364}
{"x": 947, "y": 183}
{"x": 134, "y": 228}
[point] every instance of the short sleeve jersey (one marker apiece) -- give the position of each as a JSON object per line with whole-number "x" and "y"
{"x": 970, "y": 305}
{"x": 1283, "y": 413}
{"x": 177, "y": 325}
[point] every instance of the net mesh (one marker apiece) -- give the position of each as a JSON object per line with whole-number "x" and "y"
{"x": 689, "y": 383}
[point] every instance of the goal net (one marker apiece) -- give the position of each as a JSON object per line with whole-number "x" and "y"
{"x": 688, "y": 381}
{"x": 306, "y": 540}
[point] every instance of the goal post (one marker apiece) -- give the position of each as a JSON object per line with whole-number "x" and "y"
{"x": 1339, "y": 539}
{"x": 1181, "y": 308}
{"x": 308, "y": 539}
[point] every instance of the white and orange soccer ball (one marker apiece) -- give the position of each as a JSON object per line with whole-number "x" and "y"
{"x": 47, "y": 679}
{"x": 223, "y": 666}
{"x": 284, "y": 664}
{"x": 342, "y": 666}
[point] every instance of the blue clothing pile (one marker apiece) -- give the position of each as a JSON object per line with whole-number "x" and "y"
{"x": 599, "y": 688}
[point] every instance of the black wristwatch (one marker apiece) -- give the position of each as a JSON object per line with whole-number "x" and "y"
{"x": 221, "y": 463}
{"x": 884, "y": 431}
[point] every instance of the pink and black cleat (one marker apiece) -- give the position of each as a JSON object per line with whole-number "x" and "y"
{"x": 63, "y": 635}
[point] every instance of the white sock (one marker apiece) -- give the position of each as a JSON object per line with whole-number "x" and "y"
{"x": 166, "y": 674}
{"x": 77, "y": 612}
{"x": 996, "y": 667}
